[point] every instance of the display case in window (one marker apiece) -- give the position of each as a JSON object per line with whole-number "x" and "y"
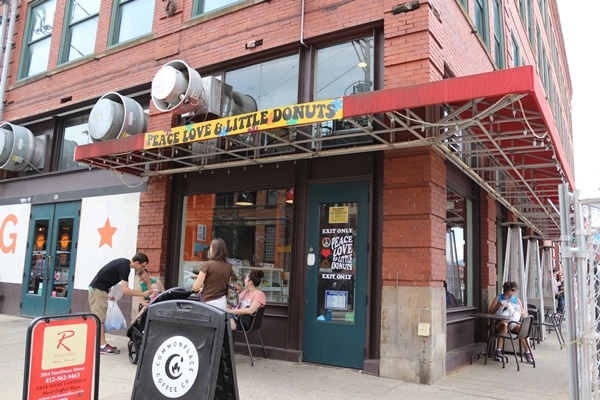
{"x": 271, "y": 282}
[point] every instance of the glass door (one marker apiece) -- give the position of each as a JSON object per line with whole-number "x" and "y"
{"x": 337, "y": 266}
{"x": 50, "y": 261}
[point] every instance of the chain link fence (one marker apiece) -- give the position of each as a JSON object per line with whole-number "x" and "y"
{"x": 580, "y": 255}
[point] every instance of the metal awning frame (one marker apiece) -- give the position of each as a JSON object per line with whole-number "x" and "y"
{"x": 493, "y": 139}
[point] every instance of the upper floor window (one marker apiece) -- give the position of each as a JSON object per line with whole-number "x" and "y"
{"x": 344, "y": 69}
{"x": 516, "y": 52}
{"x": 271, "y": 83}
{"x": 131, "y": 19}
{"x": 81, "y": 24}
{"x": 498, "y": 34}
{"x": 481, "y": 20}
{"x": 206, "y": 6}
{"x": 75, "y": 133}
{"x": 36, "y": 49}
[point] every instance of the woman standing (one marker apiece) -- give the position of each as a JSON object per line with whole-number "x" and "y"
{"x": 250, "y": 300}
{"x": 214, "y": 275}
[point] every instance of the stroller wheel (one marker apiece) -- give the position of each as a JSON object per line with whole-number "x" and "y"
{"x": 133, "y": 352}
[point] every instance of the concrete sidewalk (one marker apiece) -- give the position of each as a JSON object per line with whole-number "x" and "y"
{"x": 273, "y": 379}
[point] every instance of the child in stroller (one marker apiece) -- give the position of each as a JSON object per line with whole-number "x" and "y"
{"x": 135, "y": 333}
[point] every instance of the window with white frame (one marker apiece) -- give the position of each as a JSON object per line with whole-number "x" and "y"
{"x": 36, "y": 48}
{"x": 81, "y": 25}
{"x": 131, "y": 19}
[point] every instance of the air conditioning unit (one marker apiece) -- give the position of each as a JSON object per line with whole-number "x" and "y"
{"x": 177, "y": 88}
{"x": 19, "y": 149}
{"x": 115, "y": 116}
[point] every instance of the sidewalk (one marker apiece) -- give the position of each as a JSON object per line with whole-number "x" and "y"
{"x": 273, "y": 379}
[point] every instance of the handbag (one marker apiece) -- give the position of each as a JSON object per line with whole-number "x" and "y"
{"x": 233, "y": 297}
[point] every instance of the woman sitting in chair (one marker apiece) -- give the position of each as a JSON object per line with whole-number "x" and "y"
{"x": 509, "y": 300}
{"x": 250, "y": 300}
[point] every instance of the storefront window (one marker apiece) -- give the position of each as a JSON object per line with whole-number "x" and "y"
{"x": 256, "y": 226}
{"x": 459, "y": 271}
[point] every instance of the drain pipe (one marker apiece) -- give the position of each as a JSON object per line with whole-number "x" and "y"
{"x": 302, "y": 26}
{"x": 7, "y": 50}
{"x": 4, "y": 21}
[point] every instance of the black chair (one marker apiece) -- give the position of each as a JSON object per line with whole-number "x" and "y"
{"x": 554, "y": 321}
{"x": 255, "y": 325}
{"x": 524, "y": 333}
{"x": 536, "y": 329}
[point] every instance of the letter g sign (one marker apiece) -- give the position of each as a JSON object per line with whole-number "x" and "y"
{"x": 11, "y": 247}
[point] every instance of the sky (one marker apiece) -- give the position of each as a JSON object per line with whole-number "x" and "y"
{"x": 579, "y": 22}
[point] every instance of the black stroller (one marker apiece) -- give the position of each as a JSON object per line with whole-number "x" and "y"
{"x": 135, "y": 333}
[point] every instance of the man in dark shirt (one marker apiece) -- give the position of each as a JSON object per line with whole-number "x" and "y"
{"x": 112, "y": 273}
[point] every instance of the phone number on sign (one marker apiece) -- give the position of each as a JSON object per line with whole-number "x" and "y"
{"x": 60, "y": 378}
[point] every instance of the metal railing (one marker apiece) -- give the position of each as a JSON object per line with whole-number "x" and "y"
{"x": 580, "y": 254}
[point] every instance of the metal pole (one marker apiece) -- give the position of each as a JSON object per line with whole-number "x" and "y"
{"x": 583, "y": 308}
{"x": 7, "y": 53}
{"x": 566, "y": 257}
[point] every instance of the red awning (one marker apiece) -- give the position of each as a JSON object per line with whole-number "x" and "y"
{"x": 497, "y": 127}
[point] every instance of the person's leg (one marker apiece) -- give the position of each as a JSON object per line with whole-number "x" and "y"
{"x": 501, "y": 327}
{"x": 98, "y": 301}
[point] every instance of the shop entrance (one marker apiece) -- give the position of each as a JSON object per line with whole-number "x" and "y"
{"x": 50, "y": 260}
{"x": 335, "y": 313}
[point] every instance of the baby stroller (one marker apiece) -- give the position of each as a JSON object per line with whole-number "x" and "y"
{"x": 135, "y": 333}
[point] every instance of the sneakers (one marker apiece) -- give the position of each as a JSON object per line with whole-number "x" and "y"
{"x": 529, "y": 358}
{"x": 108, "y": 349}
{"x": 498, "y": 355}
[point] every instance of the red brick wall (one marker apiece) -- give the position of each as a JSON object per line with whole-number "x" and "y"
{"x": 414, "y": 210}
{"x": 488, "y": 241}
{"x": 154, "y": 223}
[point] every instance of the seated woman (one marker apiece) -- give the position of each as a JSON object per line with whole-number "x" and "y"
{"x": 507, "y": 300}
{"x": 146, "y": 283}
{"x": 250, "y": 300}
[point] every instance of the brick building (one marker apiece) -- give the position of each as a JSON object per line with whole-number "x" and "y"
{"x": 360, "y": 153}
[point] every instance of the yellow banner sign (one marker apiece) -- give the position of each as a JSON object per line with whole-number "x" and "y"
{"x": 297, "y": 114}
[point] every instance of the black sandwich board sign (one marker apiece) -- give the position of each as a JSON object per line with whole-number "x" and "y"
{"x": 186, "y": 353}
{"x": 62, "y": 358}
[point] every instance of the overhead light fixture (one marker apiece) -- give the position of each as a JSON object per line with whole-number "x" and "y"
{"x": 289, "y": 197}
{"x": 405, "y": 7}
{"x": 362, "y": 64}
{"x": 245, "y": 199}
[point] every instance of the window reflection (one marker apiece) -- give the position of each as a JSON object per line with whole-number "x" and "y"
{"x": 205, "y": 6}
{"x": 456, "y": 274}
{"x": 257, "y": 235}
{"x": 134, "y": 19}
{"x": 40, "y": 33}
{"x": 343, "y": 70}
{"x": 271, "y": 84}
{"x": 76, "y": 133}
{"x": 81, "y": 29}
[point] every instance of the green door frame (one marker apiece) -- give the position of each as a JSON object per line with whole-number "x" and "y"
{"x": 50, "y": 260}
{"x": 337, "y": 274}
